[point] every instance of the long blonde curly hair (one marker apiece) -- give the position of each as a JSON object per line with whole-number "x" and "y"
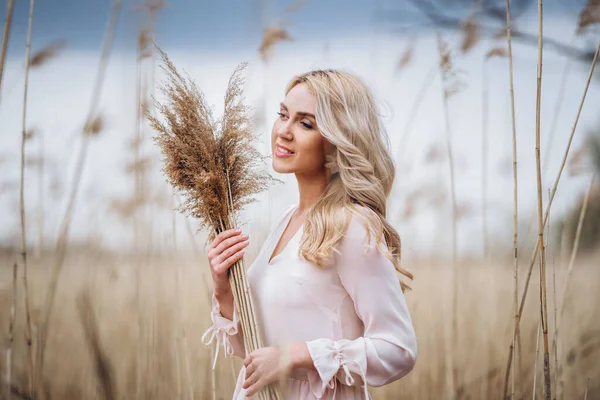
{"x": 362, "y": 169}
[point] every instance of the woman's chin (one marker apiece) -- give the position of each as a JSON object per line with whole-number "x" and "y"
{"x": 282, "y": 169}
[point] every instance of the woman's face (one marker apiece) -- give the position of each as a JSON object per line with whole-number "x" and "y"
{"x": 296, "y": 130}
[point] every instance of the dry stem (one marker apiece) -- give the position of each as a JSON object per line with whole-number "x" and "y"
{"x": 28, "y": 339}
{"x": 575, "y": 247}
{"x": 542, "y": 252}
{"x": 587, "y": 385}
{"x": 11, "y": 326}
{"x": 515, "y": 197}
{"x": 447, "y": 74}
{"x": 92, "y": 335}
{"x": 537, "y": 356}
{"x": 484, "y": 157}
{"x": 5, "y": 36}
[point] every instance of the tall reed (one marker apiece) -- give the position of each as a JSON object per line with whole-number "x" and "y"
{"x": 7, "y": 23}
{"x": 30, "y": 365}
{"x": 515, "y": 201}
{"x": 450, "y": 86}
{"x": 542, "y": 253}
{"x": 11, "y": 327}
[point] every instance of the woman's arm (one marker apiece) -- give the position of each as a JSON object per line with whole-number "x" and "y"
{"x": 388, "y": 349}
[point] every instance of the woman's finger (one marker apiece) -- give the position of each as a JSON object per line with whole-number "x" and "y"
{"x": 250, "y": 369}
{"x": 229, "y": 262}
{"x": 230, "y": 241}
{"x": 222, "y": 236}
{"x": 247, "y": 360}
{"x": 230, "y": 251}
{"x": 252, "y": 390}
{"x": 216, "y": 249}
{"x": 251, "y": 379}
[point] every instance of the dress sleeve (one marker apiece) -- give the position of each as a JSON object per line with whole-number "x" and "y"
{"x": 388, "y": 348}
{"x": 227, "y": 333}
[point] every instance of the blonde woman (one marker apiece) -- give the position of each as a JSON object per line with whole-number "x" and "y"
{"x": 325, "y": 282}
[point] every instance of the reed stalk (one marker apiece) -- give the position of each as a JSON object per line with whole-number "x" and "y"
{"x": 484, "y": 157}
{"x": 135, "y": 219}
{"x": 30, "y": 365}
{"x": 542, "y": 252}
{"x": 554, "y": 301}
{"x": 62, "y": 240}
{"x": 5, "y": 36}
{"x": 537, "y": 356}
{"x": 587, "y": 385}
{"x": 178, "y": 296}
{"x": 515, "y": 197}
{"x": 575, "y": 248}
{"x": 449, "y": 87}
{"x": 553, "y": 127}
{"x": 553, "y": 193}
{"x": 11, "y": 327}
{"x": 102, "y": 368}
{"x": 412, "y": 115}
{"x": 40, "y": 214}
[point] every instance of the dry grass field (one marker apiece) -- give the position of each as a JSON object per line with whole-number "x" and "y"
{"x": 176, "y": 365}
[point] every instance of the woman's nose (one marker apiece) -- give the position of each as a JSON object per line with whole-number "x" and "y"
{"x": 284, "y": 131}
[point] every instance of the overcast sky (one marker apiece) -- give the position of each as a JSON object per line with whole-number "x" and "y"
{"x": 208, "y": 41}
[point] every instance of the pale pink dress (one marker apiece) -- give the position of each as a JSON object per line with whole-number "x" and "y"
{"x": 352, "y": 315}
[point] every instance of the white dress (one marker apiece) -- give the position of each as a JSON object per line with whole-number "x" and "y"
{"x": 352, "y": 315}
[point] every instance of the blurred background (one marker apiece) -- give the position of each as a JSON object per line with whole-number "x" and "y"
{"x": 117, "y": 291}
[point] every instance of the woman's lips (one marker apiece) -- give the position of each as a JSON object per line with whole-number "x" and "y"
{"x": 280, "y": 152}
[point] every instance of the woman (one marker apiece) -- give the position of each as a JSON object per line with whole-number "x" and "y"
{"x": 330, "y": 302}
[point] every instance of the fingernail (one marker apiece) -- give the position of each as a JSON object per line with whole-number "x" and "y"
{"x": 238, "y": 230}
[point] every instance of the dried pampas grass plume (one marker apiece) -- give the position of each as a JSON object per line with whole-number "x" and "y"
{"x": 471, "y": 35}
{"x": 295, "y": 6}
{"x": 407, "y": 55}
{"x": 451, "y": 79}
{"x": 47, "y": 53}
{"x": 94, "y": 126}
{"x": 590, "y": 15}
{"x": 496, "y": 52}
{"x": 209, "y": 162}
{"x": 272, "y": 35}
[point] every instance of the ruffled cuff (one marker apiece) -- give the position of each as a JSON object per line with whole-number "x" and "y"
{"x": 222, "y": 329}
{"x": 329, "y": 357}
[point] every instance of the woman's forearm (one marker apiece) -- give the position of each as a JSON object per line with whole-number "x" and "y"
{"x": 225, "y": 300}
{"x": 301, "y": 356}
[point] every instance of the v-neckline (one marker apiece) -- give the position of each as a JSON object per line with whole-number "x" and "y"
{"x": 280, "y": 235}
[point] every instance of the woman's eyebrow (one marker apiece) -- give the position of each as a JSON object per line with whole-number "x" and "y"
{"x": 305, "y": 114}
{"x": 300, "y": 113}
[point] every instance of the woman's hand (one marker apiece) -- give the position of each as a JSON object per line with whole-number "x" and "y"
{"x": 223, "y": 252}
{"x": 269, "y": 364}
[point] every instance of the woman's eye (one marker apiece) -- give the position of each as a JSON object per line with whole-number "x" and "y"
{"x": 281, "y": 115}
{"x": 306, "y": 125}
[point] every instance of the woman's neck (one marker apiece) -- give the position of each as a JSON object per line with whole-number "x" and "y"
{"x": 310, "y": 189}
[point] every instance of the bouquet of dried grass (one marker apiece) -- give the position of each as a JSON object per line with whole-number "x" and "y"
{"x": 214, "y": 166}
